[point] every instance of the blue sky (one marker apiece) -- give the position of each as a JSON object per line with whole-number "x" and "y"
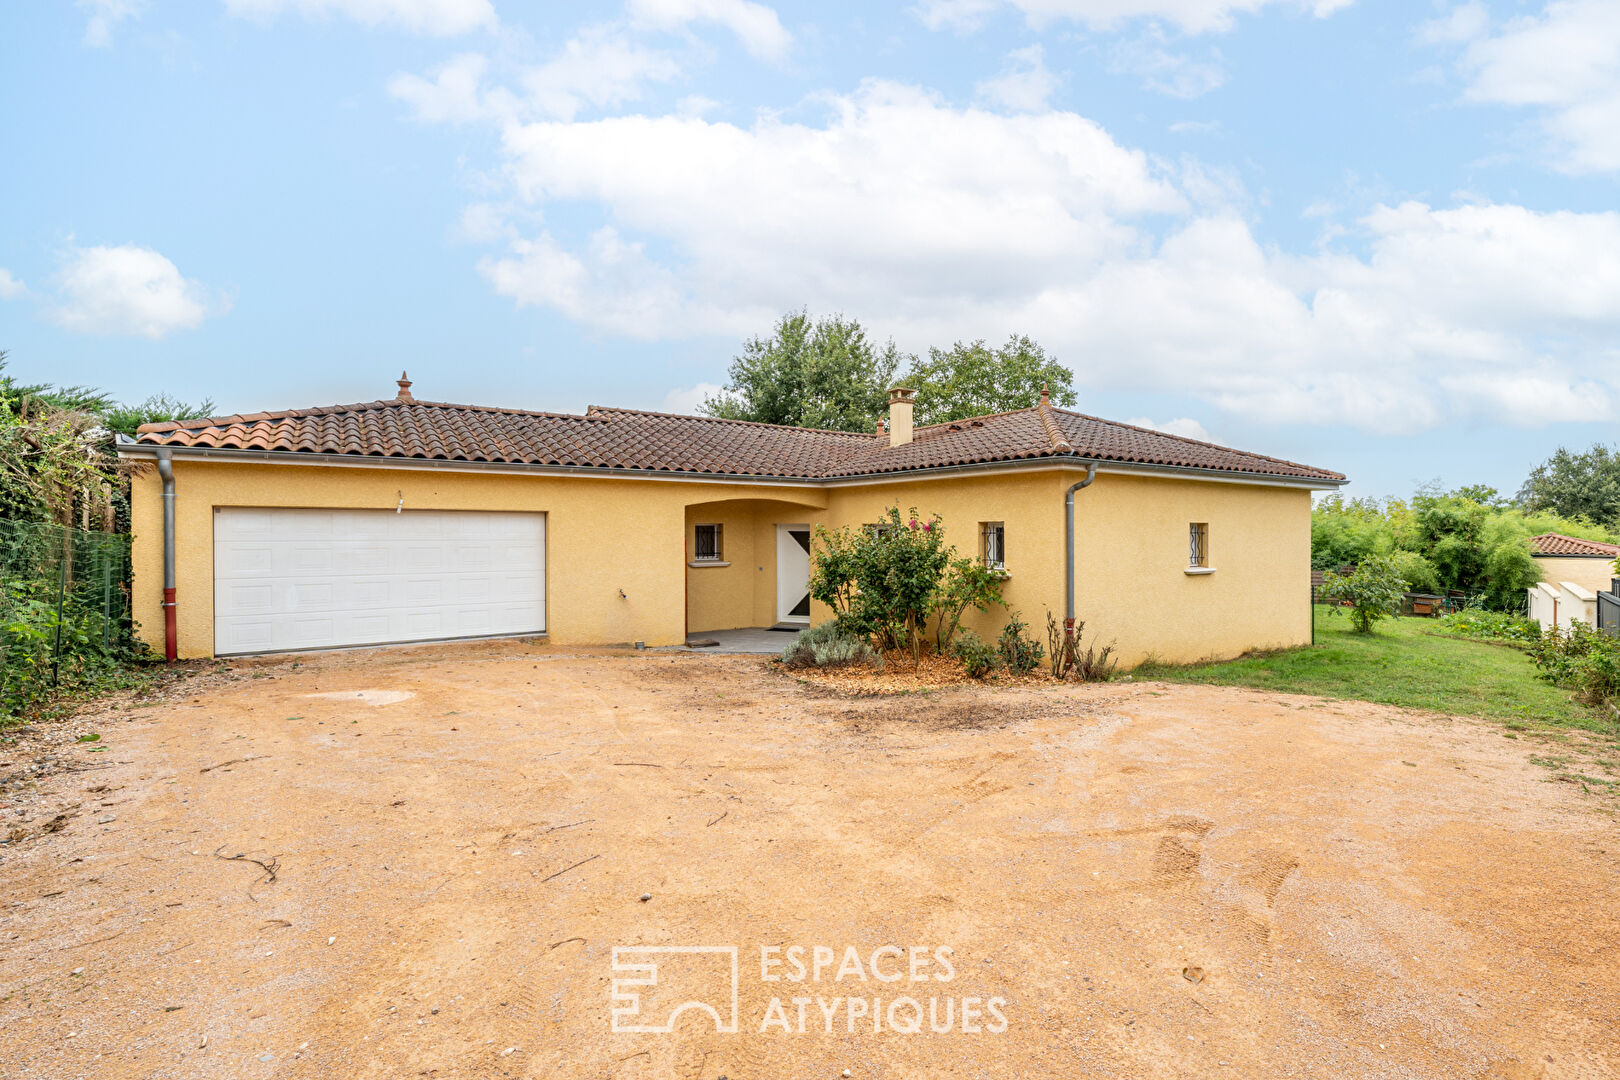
{"x": 1375, "y": 236}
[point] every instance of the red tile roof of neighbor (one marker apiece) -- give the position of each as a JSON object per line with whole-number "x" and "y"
{"x": 661, "y": 442}
{"x": 1559, "y": 544}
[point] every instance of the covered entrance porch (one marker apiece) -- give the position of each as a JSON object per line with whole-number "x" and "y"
{"x": 748, "y": 565}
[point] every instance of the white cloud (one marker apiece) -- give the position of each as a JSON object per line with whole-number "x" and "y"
{"x": 897, "y": 187}
{"x": 104, "y": 15}
{"x": 756, "y": 26}
{"x": 1185, "y": 426}
{"x": 1564, "y": 63}
{"x": 599, "y": 67}
{"x": 1025, "y": 85}
{"x": 128, "y": 290}
{"x": 1172, "y": 73}
{"x": 441, "y": 18}
{"x": 685, "y": 400}
{"x": 1192, "y": 16}
{"x": 933, "y": 223}
{"x": 453, "y": 95}
{"x": 10, "y": 287}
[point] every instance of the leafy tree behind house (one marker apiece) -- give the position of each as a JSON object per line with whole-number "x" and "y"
{"x": 973, "y": 379}
{"x": 816, "y": 373}
{"x": 157, "y": 409}
{"x": 1577, "y": 485}
{"x": 1467, "y": 540}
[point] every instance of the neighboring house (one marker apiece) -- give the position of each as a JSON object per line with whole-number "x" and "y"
{"x": 407, "y": 520}
{"x": 1573, "y": 572}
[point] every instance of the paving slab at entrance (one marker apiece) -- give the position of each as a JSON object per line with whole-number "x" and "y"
{"x": 749, "y": 640}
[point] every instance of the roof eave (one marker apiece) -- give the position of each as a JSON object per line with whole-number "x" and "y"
{"x": 131, "y": 447}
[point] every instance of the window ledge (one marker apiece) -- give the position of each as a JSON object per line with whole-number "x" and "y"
{"x": 1198, "y": 571}
{"x": 700, "y": 563}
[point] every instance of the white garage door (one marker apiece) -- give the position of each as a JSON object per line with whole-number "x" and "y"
{"x": 310, "y": 579}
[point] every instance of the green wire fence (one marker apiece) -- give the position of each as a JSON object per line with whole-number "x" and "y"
{"x": 65, "y": 616}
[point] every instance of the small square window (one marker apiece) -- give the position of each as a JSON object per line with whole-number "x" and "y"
{"x": 706, "y": 544}
{"x": 1198, "y": 544}
{"x": 993, "y": 536}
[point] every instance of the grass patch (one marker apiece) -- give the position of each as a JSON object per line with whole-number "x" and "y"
{"x": 1401, "y": 663}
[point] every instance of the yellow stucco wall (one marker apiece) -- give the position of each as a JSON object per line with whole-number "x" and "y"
{"x": 1592, "y": 574}
{"x": 604, "y": 535}
{"x": 742, "y": 593}
{"x": 1131, "y": 588}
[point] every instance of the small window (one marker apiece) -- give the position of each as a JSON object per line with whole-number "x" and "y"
{"x": 1198, "y": 544}
{"x": 706, "y": 544}
{"x": 994, "y": 537}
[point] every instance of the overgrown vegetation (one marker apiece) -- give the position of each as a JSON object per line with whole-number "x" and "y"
{"x": 64, "y": 565}
{"x": 1583, "y": 660}
{"x": 1489, "y": 625}
{"x": 1468, "y": 540}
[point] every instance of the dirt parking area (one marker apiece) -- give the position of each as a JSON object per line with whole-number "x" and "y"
{"x": 448, "y": 844}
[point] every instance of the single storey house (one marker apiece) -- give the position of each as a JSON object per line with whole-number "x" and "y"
{"x": 406, "y": 520}
{"x": 1573, "y": 574}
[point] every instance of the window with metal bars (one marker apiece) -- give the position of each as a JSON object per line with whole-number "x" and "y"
{"x": 706, "y": 543}
{"x": 1198, "y": 544}
{"x": 994, "y": 542}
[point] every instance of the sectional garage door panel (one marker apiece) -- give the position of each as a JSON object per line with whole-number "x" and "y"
{"x": 310, "y": 579}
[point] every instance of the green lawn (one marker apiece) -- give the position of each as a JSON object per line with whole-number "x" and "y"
{"x": 1403, "y": 662}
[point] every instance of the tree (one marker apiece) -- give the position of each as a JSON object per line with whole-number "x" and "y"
{"x": 821, "y": 373}
{"x": 1373, "y": 591}
{"x": 36, "y": 397}
{"x": 157, "y": 409}
{"x": 974, "y": 380}
{"x": 1577, "y": 485}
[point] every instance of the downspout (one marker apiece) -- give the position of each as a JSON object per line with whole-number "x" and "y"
{"x": 1068, "y": 556}
{"x": 171, "y": 644}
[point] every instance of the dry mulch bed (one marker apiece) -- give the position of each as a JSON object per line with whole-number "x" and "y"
{"x": 901, "y": 675}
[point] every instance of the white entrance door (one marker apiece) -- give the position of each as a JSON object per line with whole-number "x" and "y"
{"x": 793, "y": 574}
{"x": 312, "y": 579}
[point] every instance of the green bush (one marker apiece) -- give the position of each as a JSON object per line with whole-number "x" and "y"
{"x": 1418, "y": 573}
{"x": 978, "y": 657}
{"x": 828, "y": 646}
{"x": 1019, "y": 651}
{"x": 1373, "y": 591}
{"x": 1476, "y": 622}
{"x": 885, "y": 581}
{"x": 1581, "y": 658}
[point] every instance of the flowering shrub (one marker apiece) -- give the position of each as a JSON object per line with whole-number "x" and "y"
{"x": 884, "y": 581}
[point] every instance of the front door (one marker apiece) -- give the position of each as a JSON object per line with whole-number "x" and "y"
{"x": 793, "y": 574}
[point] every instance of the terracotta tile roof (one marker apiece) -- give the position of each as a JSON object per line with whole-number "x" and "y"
{"x": 662, "y": 442}
{"x": 1559, "y": 544}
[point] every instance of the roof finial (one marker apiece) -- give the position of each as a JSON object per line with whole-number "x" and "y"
{"x": 1046, "y": 397}
{"x": 404, "y": 388}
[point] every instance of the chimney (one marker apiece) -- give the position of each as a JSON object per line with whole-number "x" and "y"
{"x": 900, "y": 401}
{"x": 404, "y": 388}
